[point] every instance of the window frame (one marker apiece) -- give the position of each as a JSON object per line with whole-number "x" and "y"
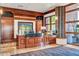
{"x": 50, "y": 22}
{"x": 72, "y": 21}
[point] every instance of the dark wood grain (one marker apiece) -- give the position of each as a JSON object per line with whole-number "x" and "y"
{"x": 29, "y": 42}
{"x": 22, "y": 12}
{"x": 7, "y": 34}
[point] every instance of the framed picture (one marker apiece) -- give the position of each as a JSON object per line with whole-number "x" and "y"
{"x": 25, "y": 27}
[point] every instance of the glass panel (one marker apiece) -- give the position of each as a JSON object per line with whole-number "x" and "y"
{"x": 72, "y": 27}
{"x": 53, "y": 28}
{"x": 72, "y": 16}
{"x": 48, "y": 20}
{"x": 48, "y": 27}
{"x": 25, "y": 28}
{"x": 53, "y": 19}
{"x": 72, "y": 38}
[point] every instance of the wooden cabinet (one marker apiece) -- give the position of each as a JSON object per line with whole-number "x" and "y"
{"x": 38, "y": 25}
{"x": 52, "y": 40}
{"x": 29, "y": 42}
{"x": 7, "y": 29}
{"x": 21, "y": 41}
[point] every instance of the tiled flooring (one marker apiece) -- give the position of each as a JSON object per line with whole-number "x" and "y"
{"x": 25, "y": 50}
{"x": 48, "y": 50}
{"x": 54, "y": 51}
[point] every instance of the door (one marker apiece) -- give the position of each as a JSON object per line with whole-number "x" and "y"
{"x": 7, "y": 29}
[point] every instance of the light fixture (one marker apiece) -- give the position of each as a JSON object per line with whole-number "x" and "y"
{"x": 56, "y": 17}
{"x": 1, "y": 11}
{"x": 43, "y": 28}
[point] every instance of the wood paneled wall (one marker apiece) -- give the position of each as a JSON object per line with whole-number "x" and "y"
{"x": 7, "y": 34}
{"x": 9, "y": 21}
{"x": 38, "y": 25}
{"x": 20, "y": 12}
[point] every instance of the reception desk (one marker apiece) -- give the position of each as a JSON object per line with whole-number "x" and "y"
{"x": 29, "y": 42}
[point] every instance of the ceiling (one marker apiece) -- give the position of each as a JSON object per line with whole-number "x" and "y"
{"x": 39, "y": 7}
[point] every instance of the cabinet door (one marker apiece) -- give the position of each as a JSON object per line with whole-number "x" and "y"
{"x": 21, "y": 42}
{"x": 7, "y": 29}
{"x": 38, "y": 25}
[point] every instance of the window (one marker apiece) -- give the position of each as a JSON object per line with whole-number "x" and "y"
{"x": 48, "y": 20}
{"x": 72, "y": 16}
{"x": 48, "y": 27}
{"x": 25, "y": 27}
{"x": 72, "y": 21}
{"x": 72, "y": 26}
{"x": 51, "y": 23}
{"x": 48, "y": 23}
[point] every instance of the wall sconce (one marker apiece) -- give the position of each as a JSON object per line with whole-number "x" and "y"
{"x": 43, "y": 28}
{"x": 56, "y": 17}
{"x": 1, "y": 11}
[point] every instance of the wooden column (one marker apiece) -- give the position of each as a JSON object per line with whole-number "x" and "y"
{"x": 60, "y": 13}
{"x": 1, "y": 12}
{"x": 38, "y": 25}
{"x": 0, "y": 29}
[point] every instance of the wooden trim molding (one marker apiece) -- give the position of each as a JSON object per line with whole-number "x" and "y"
{"x": 22, "y": 12}
{"x": 72, "y": 21}
{"x": 52, "y": 10}
{"x": 72, "y": 10}
{"x": 71, "y": 32}
{"x": 25, "y": 17}
{"x": 69, "y": 4}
